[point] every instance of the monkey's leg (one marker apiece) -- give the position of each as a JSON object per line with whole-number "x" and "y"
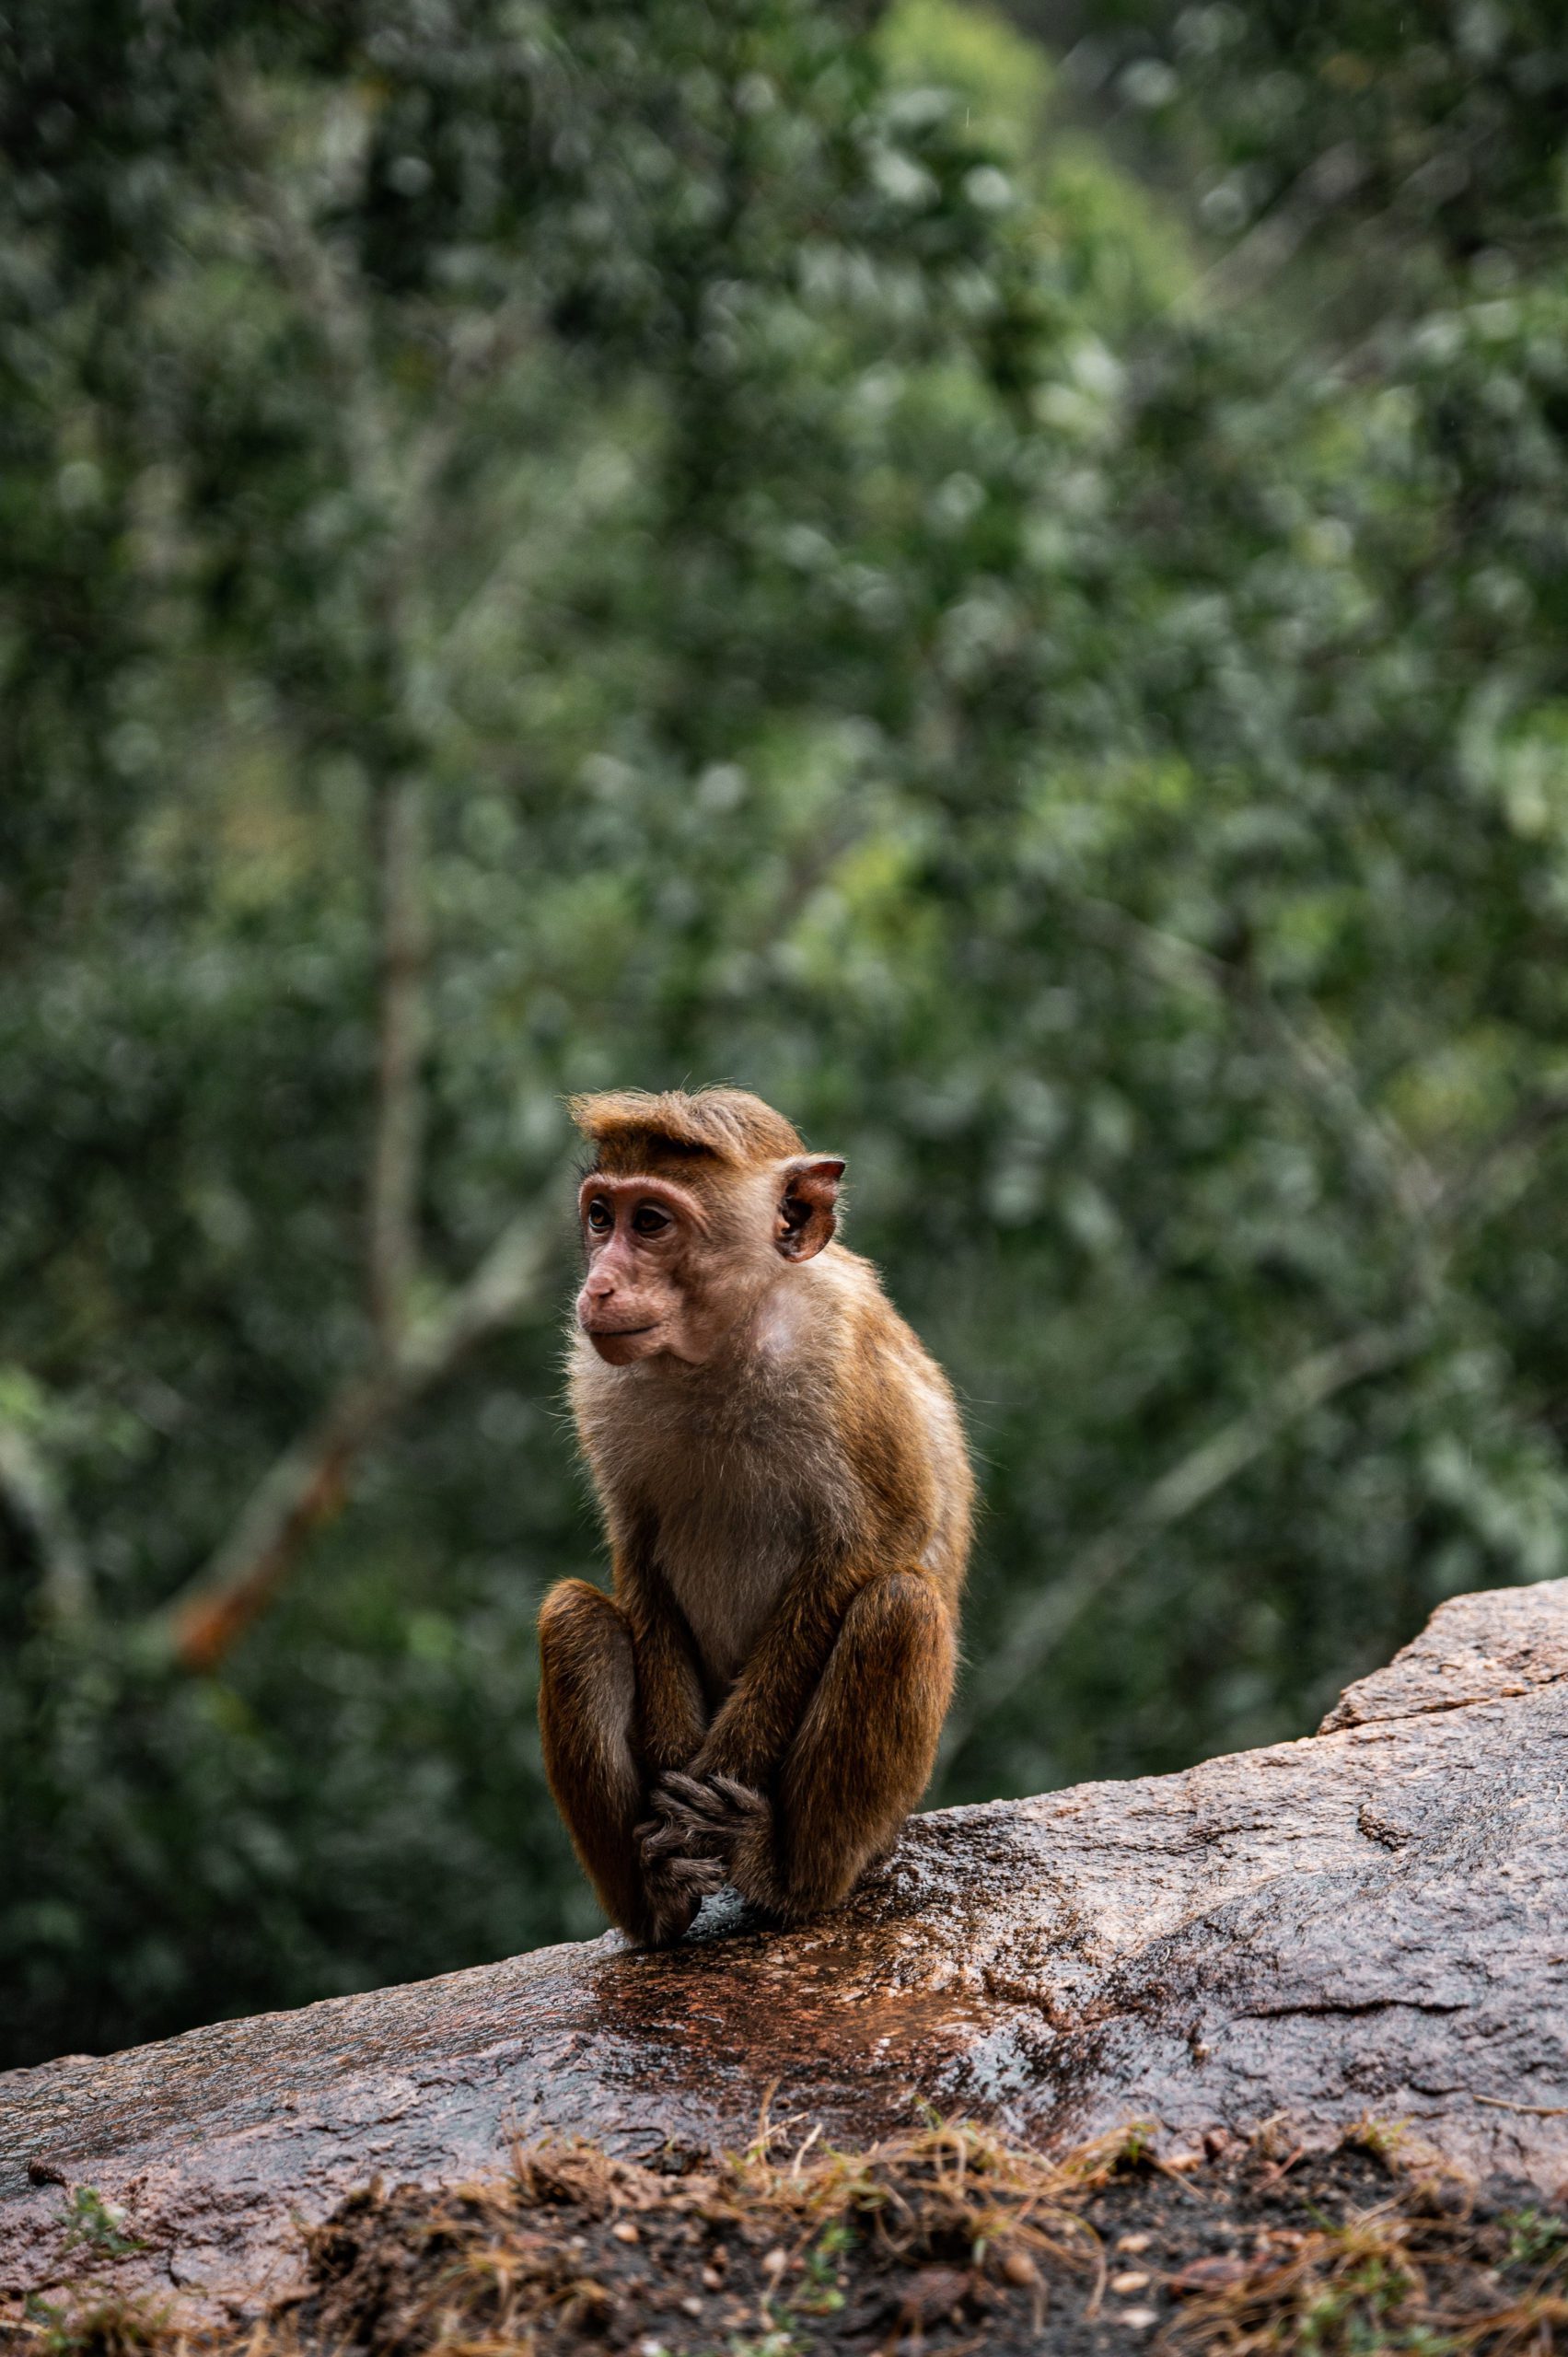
{"x": 587, "y": 1701}
{"x": 859, "y": 1761}
{"x": 867, "y": 1744}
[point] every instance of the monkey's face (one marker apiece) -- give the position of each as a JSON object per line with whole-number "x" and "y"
{"x": 650, "y": 1245}
{"x": 680, "y": 1272}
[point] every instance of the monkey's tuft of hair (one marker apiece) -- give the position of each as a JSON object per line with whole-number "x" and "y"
{"x": 634, "y": 1129}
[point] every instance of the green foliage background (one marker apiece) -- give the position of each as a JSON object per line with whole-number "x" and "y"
{"x": 1002, "y": 584}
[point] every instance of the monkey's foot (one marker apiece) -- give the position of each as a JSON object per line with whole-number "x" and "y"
{"x": 675, "y": 1879}
{"x": 718, "y": 1817}
{"x": 711, "y": 1813}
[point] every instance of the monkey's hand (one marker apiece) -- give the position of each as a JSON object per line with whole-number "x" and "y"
{"x": 676, "y": 1877}
{"x": 719, "y": 1818}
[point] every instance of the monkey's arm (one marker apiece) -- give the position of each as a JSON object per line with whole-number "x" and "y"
{"x": 619, "y": 1701}
{"x": 795, "y": 1831}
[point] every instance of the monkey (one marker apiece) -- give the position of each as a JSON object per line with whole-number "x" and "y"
{"x": 786, "y": 1492}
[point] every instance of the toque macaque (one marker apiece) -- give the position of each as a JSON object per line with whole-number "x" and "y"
{"x": 787, "y": 1497}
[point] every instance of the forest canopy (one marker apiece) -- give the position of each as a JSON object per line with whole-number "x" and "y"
{"x": 1002, "y": 582}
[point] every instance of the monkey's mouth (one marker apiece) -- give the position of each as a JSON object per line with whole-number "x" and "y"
{"x": 619, "y": 1345}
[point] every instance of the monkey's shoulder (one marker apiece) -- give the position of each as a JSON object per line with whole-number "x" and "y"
{"x": 898, "y": 1424}
{"x": 882, "y": 1346}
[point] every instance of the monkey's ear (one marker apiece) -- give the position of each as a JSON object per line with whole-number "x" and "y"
{"x": 805, "y": 1220}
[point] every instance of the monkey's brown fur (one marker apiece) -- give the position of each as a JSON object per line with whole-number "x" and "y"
{"x": 787, "y": 1497}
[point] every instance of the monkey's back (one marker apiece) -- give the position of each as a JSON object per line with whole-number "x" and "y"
{"x": 902, "y": 1434}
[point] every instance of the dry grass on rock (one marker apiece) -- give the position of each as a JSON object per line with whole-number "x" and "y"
{"x": 942, "y": 2241}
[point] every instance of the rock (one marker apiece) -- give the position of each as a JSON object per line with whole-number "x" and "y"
{"x": 1487, "y": 1648}
{"x": 1369, "y": 1921}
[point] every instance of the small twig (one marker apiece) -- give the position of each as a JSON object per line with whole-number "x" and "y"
{"x": 758, "y": 2148}
{"x": 1533, "y": 2110}
{"x": 1277, "y": 2169}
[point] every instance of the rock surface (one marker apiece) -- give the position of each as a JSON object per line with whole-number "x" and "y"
{"x": 1371, "y": 1920}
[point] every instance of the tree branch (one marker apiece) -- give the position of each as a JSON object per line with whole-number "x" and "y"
{"x": 1328, "y": 182}
{"x": 392, "y": 1210}
{"x": 326, "y": 295}
{"x": 394, "y": 476}
{"x": 1033, "y": 1632}
{"x": 1378, "y": 1150}
{"x": 1503, "y": 1164}
{"x": 310, "y": 1480}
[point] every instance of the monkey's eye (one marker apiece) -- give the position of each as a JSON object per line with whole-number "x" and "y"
{"x": 648, "y": 1220}
{"x": 599, "y": 1216}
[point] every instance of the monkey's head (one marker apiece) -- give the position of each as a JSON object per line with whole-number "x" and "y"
{"x": 696, "y": 1209}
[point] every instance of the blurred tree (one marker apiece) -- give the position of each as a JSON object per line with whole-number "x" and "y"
{"x": 550, "y": 547}
{"x": 1441, "y": 130}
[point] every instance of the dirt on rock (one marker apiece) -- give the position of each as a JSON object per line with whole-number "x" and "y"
{"x": 938, "y": 2242}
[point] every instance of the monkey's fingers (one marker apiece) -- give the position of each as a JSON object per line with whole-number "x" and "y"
{"x": 675, "y": 1888}
{"x": 717, "y": 1800}
{"x": 744, "y": 1807}
{"x": 687, "y": 1797}
{"x": 718, "y": 1804}
{"x": 704, "y": 1875}
{"x": 668, "y": 1844}
{"x": 660, "y": 1837}
{"x": 700, "y": 1830}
